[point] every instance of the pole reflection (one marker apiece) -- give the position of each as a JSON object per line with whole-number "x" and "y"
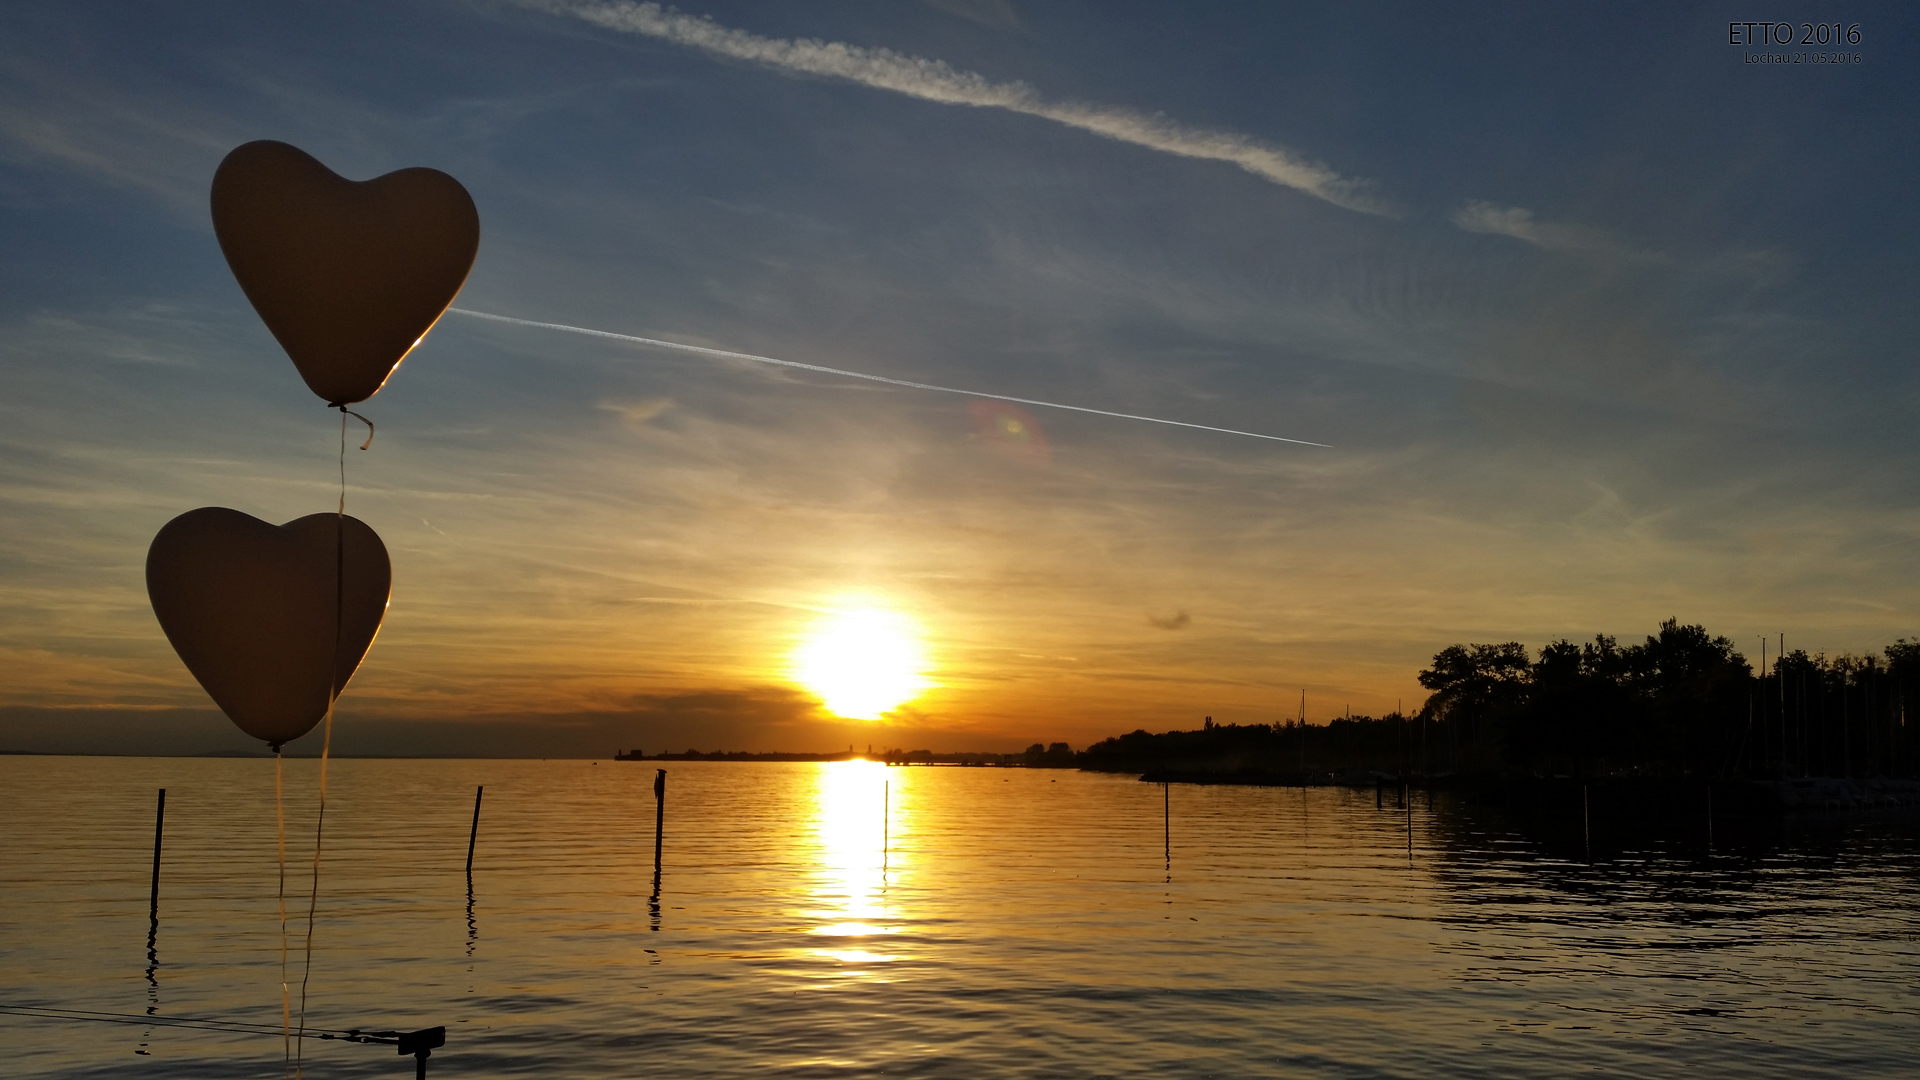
{"x": 659, "y": 839}
{"x": 848, "y": 897}
{"x": 653, "y": 903}
{"x": 153, "y": 981}
{"x": 153, "y": 922}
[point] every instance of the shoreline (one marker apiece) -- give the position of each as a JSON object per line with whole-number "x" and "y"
{"x": 1640, "y": 795}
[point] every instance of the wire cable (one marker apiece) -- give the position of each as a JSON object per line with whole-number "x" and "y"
{"x": 195, "y": 1023}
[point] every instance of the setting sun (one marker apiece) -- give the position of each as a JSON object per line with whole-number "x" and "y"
{"x": 861, "y": 662}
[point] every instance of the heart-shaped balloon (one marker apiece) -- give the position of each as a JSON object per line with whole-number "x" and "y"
{"x": 258, "y": 614}
{"x": 349, "y": 275}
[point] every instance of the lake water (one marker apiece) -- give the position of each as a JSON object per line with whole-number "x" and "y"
{"x": 988, "y": 923}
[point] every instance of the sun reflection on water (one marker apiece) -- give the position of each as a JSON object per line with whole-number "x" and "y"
{"x": 849, "y": 893}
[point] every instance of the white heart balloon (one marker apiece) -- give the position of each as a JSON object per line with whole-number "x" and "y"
{"x": 263, "y": 615}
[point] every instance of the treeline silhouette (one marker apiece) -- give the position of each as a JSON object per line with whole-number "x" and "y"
{"x": 1682, "y": 704}
{"x": 1288, "y": 752}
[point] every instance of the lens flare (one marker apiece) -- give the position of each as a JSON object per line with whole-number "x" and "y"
{"x": 1010, "y": 429}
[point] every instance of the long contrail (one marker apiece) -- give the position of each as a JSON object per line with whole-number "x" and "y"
{"x": 728, "y": 355}
{"x": 936, "y": 80}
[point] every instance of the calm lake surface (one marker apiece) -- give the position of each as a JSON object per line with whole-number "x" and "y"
{"x": 988, "y": 923}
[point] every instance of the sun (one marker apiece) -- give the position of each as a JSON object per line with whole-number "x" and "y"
{"x": 862, "y": 662}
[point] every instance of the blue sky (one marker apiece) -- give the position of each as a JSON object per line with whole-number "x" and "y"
{"x": 1603, "y": 323}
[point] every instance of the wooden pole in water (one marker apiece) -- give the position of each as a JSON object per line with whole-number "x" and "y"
{"x": 1166, "y": 811}
{"x": 473, "y": 834}
{"x": 1782, "y": 681}
{"x": 659, "y": 815}
{"x": 159, "y": 825}
{"x": 1586, "y": 824}
{"x": 886, "y": 821}
{"x": 1709, "y": 819}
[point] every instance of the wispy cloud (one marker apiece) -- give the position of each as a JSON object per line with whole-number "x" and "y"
{"x": 51, "y": 116}
{"x": 1485, "y": 217}
{"x": 638, "y": 412}
{"x": 1179, "y": 620}
{"x": 935, "y": 80}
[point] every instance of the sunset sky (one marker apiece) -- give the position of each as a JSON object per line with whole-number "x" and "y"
{"x": 1600, "y": 322}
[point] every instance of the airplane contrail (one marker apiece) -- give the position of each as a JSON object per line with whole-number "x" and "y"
{"x": 725, "y": 354}
{"x": 935, "y": 80}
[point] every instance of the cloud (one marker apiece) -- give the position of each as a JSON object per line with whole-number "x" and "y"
{"x": 638, "y": 412}
{"x": 1177, "y": 621}
{"x": 935, "y": 80}
{"x": 755, "y": 718}
{"x": 50, "y": 115}
{"x": 1478, "y": 216}
{"x": 1485, "y": 217}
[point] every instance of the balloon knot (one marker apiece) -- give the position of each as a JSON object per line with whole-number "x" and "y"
{"x": 349, "y": 412}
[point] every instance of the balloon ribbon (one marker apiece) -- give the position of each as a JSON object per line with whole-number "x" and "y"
{"x": 346, "y": 412}
{"x": 280, "y": 821}
{"x": 326, "y": 736}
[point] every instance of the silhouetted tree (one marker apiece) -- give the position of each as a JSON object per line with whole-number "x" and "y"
{"x": 1903, "y": 672}
{"x": 1576, "y": 710}
{"x": 1797, "y": 687}
{"x": 1682, "y": 703}
{"x": 1475, "y": 689}
{"x": 1696, "y": 690}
